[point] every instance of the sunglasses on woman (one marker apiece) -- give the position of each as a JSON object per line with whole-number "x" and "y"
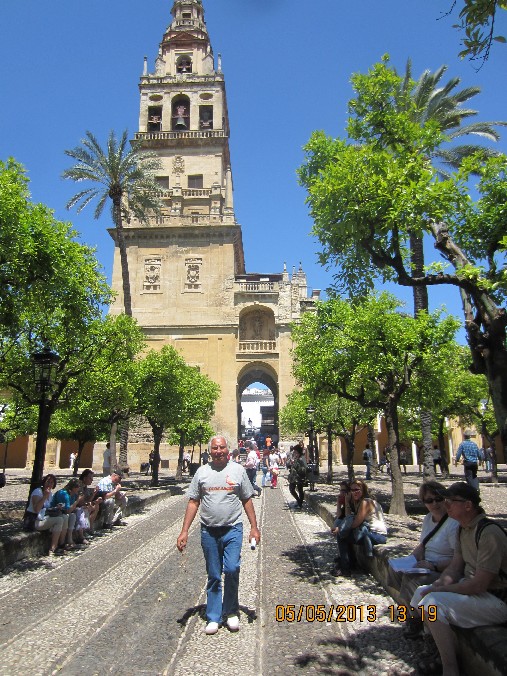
{"x": 430, "y": 501}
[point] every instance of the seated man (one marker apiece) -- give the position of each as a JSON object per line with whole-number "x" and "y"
{"x": 472, "y": 590}
{"x": 114, "y": 500}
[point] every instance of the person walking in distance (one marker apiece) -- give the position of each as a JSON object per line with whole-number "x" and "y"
{"x": 298, "y": 475}
{"x": 221, "y": 490}
{"x": 368, "y": 457}
{"x": 251, "y": 469}
{"x": 470, "y": 452}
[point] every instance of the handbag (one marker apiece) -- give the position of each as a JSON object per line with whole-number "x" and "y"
{"x": 29, "y": 520}
{"x": 54, "y": 511}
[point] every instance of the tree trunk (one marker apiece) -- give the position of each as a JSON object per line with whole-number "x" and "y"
{"x": 373, "y": 447}
{"x": 495, "y": 359}
{"x": 329, "y": 476}
{"x": 421, "y": 304}
{"x": 351, "y": 448}
{"x": 77, "y": 460}
{"x": 157, "y": 438}
{"x": 44, "y": 420}
{"x": 112, "y": 443}
{"x": 179, "y": 469}
{"x": 397, "y": 505}
{"x": 491, "y": 442}
{"x": 444, "y": 461}
{"x": 124, "y": 439}
{"x": 120, "y": 238}
{"x": 427, "y": 440}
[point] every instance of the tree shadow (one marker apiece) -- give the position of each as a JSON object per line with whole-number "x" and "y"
{"x": 361, "y": 653}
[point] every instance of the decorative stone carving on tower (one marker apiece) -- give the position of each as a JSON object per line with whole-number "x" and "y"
{"x": 152, "y": 271}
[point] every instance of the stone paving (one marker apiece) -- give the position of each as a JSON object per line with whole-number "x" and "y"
{"x": 130, "y": 603}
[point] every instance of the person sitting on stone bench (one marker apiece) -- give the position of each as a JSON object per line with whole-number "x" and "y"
{"x": 37, "y": 515}
{"x": 433, "y": 553}
{"x": 472, "y": 590}
{"x": 114, "y": 499}
{"x": 89, "y": 510}
{"x": 367, "y": 529}
{"x": 68, "y": 499}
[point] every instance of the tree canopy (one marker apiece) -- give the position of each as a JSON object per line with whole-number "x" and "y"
{"x": 370, "y": 193}
{"x": 476, "y": 18}
{"x": 367, "y": 351}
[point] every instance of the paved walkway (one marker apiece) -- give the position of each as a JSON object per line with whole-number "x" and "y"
{"x": 130, "y": 603}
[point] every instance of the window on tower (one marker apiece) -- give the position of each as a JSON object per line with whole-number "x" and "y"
{"x": 206, "y": 117}
{"x": 195, "y": 181}
{"x": 155, "y": 118}
{"x": 162, "y": 182}
{"x": 184, "y": 64}
{"x": 180, "y": 114}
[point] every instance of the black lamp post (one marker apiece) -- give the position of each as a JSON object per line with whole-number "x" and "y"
{"x": 200, "y": 433}
{"x": 45, "y": 365}
{"x": 310, "y": 414}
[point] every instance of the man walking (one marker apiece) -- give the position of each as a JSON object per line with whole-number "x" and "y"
{"x": 368, "y": 457}
{"x": 472, "y": 590}
{"x": 251, "y": 469}
{"x": 298, "y": 475}
{"x": 470, "y": 452}
{"x": 221, "y": 489}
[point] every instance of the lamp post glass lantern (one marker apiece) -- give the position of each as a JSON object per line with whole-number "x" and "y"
{"x": 45, "y": 366}
{"x": 310, "y": 415}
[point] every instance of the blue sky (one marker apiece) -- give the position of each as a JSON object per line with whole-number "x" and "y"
{"x": 67, "y": 66}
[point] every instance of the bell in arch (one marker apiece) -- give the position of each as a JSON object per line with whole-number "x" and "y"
{"x": 180, "y": 118}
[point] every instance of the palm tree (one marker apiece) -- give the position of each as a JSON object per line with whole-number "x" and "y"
{"x": 124, "y": 175}
{"x": 442, "y": 105}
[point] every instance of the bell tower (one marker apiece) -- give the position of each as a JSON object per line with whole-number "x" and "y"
{"x": 188, "y": 281}
{"x": 184, "y": 119}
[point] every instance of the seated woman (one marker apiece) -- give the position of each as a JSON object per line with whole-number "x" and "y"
{"x": 88, "y": 512}
{"x": 40, "y": 501}
{"x": 69, "y": 500}
{"x": 435, "y": 549}
{"x": 341, "y": 523}
{"x": 368, "y": 527}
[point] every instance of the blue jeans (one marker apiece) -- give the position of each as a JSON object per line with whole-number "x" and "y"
{"x": 222, "y": 551}
{"x": 367, "y": 538}
{"x": 360, "y": 535}
{"x": 252, "y": 475}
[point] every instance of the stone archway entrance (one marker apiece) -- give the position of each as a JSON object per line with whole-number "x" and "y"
{"x": 258, "y": 372}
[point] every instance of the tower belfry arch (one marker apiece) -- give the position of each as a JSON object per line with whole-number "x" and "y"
{"x": 189, "y": 284}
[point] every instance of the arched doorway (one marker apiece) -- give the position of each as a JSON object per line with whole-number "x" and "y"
{"x": 260, "y": 372}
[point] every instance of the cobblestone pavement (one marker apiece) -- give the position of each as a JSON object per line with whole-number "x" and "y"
{"x": 131, "y": 604}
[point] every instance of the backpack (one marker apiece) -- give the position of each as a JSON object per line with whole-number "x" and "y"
{"x": 366, "y": 455}
{"x": 483, "y": 523}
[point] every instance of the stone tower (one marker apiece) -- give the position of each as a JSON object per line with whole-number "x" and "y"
{"x": 187, "y": 269}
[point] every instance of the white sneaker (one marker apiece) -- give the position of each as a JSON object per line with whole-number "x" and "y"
{"x": 211, "y": 628}
{"x": 233, "y": 623}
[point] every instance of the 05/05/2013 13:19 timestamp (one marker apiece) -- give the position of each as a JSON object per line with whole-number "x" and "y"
{"x": 350, "y": 613}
